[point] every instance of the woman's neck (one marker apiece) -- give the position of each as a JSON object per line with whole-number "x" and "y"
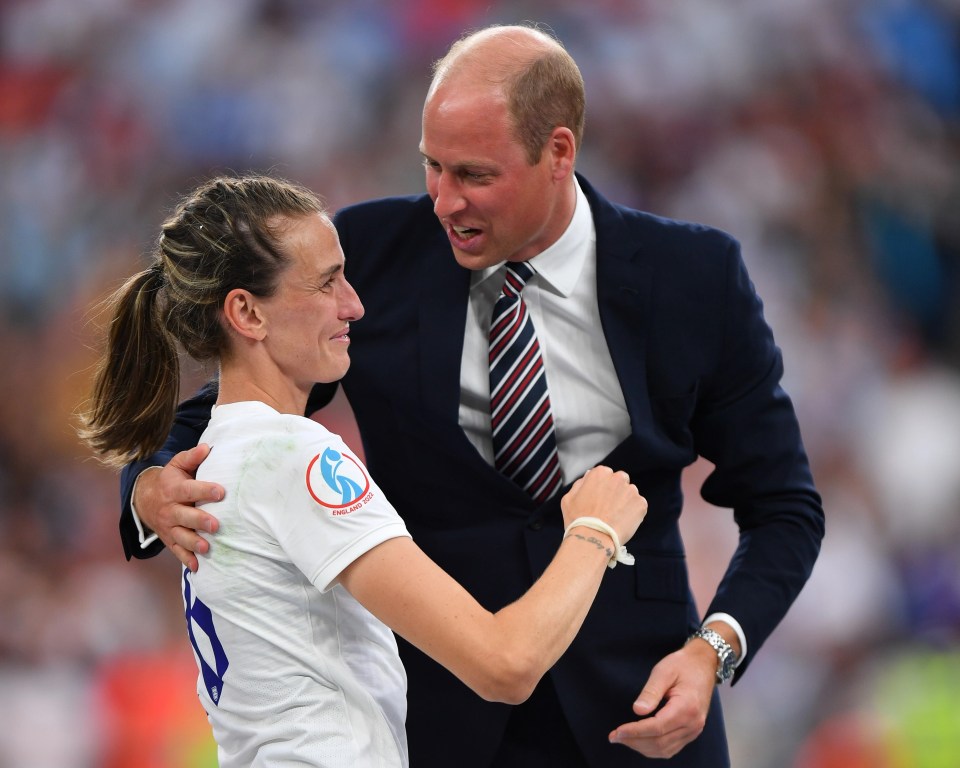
{"x": 238, "y": 384}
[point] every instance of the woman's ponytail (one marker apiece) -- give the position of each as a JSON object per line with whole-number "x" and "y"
{"x": 137, "y": 381}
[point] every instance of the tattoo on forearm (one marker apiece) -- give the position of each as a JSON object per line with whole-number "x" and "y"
{"x": 593, "y": 540}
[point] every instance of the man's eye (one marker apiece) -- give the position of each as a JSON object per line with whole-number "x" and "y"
{"x": 478, "y": 178}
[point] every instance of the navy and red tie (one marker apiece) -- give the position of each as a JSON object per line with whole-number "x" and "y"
{"x": 524, "y": 440}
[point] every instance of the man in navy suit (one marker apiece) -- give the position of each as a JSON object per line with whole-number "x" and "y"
{"x": 656, "y": 352}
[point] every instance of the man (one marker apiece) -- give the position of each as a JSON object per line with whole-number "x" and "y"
{"x": 654, "y": 350}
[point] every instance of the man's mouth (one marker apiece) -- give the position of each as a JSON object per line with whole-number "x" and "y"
{"x": 463, "y": 233}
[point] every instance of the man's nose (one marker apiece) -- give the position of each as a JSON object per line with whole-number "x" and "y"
{"x": 449, "y": 196}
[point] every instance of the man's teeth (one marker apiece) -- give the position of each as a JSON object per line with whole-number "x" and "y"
{"x": 463, "y": 231}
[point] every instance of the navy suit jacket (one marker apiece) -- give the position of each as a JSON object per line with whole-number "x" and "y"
{"x": 700, "y": 374}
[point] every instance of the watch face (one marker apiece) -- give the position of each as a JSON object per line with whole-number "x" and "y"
{"x": 726, "y": 666}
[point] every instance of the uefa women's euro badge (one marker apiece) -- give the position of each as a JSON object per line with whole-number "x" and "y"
{"x": 338, "y": 482}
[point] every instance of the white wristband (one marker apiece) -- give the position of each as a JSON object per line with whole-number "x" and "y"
{"x": 620, "y": 554}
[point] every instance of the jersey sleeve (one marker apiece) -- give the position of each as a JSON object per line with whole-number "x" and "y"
{"x": 330, "y": 511}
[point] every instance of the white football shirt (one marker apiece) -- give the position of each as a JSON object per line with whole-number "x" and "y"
{"x": 293, "y": 670}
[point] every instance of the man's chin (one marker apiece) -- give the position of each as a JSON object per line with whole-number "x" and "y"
{"x": 473, "y": 261}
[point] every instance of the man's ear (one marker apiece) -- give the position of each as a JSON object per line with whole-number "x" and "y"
{"x": 244, "y": 315}
{"x": 562, "y": 147}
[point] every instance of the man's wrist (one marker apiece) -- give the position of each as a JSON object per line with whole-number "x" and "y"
{"x": 726, "y": 655}
{"x": 145, "y": 535}
{"x": 723, "y": 623}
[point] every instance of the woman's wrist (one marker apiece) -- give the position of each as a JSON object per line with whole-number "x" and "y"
{"x": 619, "y": 553}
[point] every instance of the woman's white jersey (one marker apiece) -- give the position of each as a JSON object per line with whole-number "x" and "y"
{"x": 293, "y": 670}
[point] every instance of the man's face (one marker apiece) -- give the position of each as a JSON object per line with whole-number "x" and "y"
{"x": 493, "y": 204}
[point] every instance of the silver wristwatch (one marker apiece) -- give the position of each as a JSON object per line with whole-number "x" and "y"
{"x": 726, "y": 656}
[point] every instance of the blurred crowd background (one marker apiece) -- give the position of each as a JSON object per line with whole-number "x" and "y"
{"x": 823, "y": 134}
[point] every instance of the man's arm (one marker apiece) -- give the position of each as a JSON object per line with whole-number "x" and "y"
{"x": 189, "y": 423}
{"x": 746, "y": 426}
{"x": 158, "y": 507}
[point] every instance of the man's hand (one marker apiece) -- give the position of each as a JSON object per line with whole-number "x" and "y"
{"x": 684, "y": 682}
{"x": 164, "y": 500}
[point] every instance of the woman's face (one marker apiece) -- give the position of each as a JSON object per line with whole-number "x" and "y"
{"x": 310, "y": 313}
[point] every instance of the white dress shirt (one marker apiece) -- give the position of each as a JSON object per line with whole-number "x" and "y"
{"x": 589, "y": 410}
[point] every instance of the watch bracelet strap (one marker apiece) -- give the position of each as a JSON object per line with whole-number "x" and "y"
{"x": 723, "y": 649}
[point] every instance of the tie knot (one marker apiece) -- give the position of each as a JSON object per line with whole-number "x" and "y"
{"x": 517, "y": 276}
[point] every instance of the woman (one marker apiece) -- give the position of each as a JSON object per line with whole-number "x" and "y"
{"x": 291, "y": 610}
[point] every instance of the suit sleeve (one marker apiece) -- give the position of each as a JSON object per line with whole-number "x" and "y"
{"x": 746, "y": 425}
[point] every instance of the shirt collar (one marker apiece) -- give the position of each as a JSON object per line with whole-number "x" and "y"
{"x": 560, "y": 265}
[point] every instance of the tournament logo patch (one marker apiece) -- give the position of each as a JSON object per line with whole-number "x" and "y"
{"x": 338, "y": 482}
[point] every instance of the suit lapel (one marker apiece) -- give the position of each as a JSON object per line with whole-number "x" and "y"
{"x": 624, "y": 283}
{"x": 444, "y": 289}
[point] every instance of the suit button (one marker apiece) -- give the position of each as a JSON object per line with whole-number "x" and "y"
{"x": 535, "y": 525}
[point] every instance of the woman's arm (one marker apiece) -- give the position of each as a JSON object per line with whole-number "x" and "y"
{"x": 502, "y": 655}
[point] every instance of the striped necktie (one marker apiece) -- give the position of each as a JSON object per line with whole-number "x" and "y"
{"x": 524, "y": 442}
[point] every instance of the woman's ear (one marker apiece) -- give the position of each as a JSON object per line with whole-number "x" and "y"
{"x": 243, "y": 314}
